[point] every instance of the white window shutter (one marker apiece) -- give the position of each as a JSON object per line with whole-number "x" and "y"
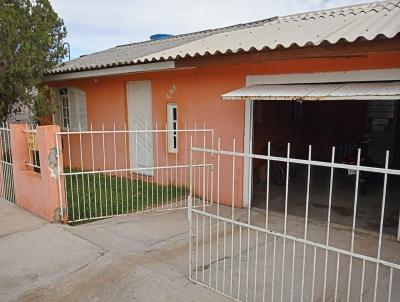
{"x": 82, "y": 110}
{"x": 73, "y": 109}
{"x": 55, "y": 97}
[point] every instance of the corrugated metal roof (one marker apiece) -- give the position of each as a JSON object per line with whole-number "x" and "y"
{"x": 364, "y": 21}
{"x": 130, "y": 53}
{"x": 318, "y": 92}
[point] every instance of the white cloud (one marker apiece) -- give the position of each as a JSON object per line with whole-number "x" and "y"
{"x": 94, "y": 25}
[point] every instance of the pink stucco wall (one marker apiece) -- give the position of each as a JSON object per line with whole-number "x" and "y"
{"x": 198, "y": 97}
{"x": 36, "y": 192}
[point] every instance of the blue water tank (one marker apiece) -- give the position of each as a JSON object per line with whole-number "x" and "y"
{"x": 160, "y": 36}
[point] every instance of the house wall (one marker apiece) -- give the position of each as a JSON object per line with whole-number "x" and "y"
{"x": 198, "y": 97}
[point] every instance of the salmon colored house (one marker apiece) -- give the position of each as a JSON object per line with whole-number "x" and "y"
{"x": 312, "y": 78}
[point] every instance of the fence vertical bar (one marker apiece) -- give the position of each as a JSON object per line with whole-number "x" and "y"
{"x": 93, "y": 169}
{"x": 313, "y": 275}
{"x": 82, "y": 174}
{"x": 285, "y": 222}
{"x": 329, "y": 222}
{"x": 190, "y": 207}
{"x": 390, "y": 284}
{"x": 337, "y": 276}
{"x": 218, "y": 211}
{"x": 204, "y": 202}
{"x": 71, "y": 180}
{"x": 104, "y": 165}
{"x": 166, "y": 161}
{"x": 381, "y": 224}
{"x": 157, "y": 164}
{"x": 306, "y": 221}
{"x": 249, "y": 222}
{"x": 273, "y": 269}
{"x": 362, "y": 280}
{"x": 240, "y": 262}
{"x": 232, "y": 213}
{"x": 255, "y": 269}
{"x": 266, "y": 221}
{"x": 293, "y": 263}
{"x": 147, "y": 166}
{"x": 353, "y": 228}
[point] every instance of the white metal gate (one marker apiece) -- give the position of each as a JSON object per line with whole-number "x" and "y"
{"x": 6, "y": 165}
{"x": 261, "y": 255}
{"x": 98, "y": 180}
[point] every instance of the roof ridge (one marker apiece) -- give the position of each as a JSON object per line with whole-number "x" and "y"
{"x": 239, "y": 25}
{"x": 373, "y": 3}
{"x": 271, "y": 33}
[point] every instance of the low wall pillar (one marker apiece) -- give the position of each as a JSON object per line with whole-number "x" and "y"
{"x": 38, "y": 193}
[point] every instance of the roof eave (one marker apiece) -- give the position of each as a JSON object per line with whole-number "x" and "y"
{"x": 111, "y": 71}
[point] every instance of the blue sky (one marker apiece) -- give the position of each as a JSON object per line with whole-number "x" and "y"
{"x": 95, "y": 25}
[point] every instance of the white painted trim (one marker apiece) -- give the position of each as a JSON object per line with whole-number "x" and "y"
{"x": 170, "y": 122}
{"x": 313, "y": 99}
{"x": 248, "y": 148}
{"x": 326, "y": 77}
{"x": 111, "y": 71}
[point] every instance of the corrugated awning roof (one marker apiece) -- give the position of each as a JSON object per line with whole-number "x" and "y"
{"x": 364, "y": 21}
{"x": 318, "y": 92}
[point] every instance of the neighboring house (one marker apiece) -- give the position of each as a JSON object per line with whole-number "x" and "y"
{"x": 24, "y": 116}
{"x": 317, "y": 78}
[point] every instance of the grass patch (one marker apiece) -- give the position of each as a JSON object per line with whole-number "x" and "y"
{"x": 91, "y": 196}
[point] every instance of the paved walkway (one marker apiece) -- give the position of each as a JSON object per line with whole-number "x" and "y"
{"x": 144, "y": 257}
{"x": 130, "y": 258}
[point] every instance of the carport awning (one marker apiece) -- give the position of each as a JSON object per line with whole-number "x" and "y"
{"x": 318, "y": 92}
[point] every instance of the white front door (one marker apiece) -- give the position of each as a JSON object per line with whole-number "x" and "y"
{"x": 140, "y": 118}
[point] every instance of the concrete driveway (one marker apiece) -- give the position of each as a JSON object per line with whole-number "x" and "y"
{"x": 144, "y": 257}
{"x": 130, "y": 258}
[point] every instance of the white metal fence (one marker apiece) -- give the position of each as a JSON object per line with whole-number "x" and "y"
{"x": 6, "y": 164}
{"x": 257, "y": 255}
{"x": 106, "y": 173}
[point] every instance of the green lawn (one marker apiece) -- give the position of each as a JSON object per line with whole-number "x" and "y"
{"x": 90, "y": 196}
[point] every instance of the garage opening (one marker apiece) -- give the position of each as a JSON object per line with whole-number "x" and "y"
{"x": 373, "y": 126}
{"x": 330, "y": 122}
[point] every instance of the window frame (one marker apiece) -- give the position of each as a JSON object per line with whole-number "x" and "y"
{"x": 65, "y": 112}
{"x": 72, "y": 109}
{"x": 172, "y": 124}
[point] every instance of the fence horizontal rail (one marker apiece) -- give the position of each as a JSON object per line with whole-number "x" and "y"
{"x": 132, "y": 131}
{"x": 6, "y": 162}
{"x": 32, "y": 165}
{"x": 29, "y": 131}
{"x": 134, "y": 169}
{"x": 301, "y": 161}
{"x": 297, "y": 239}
